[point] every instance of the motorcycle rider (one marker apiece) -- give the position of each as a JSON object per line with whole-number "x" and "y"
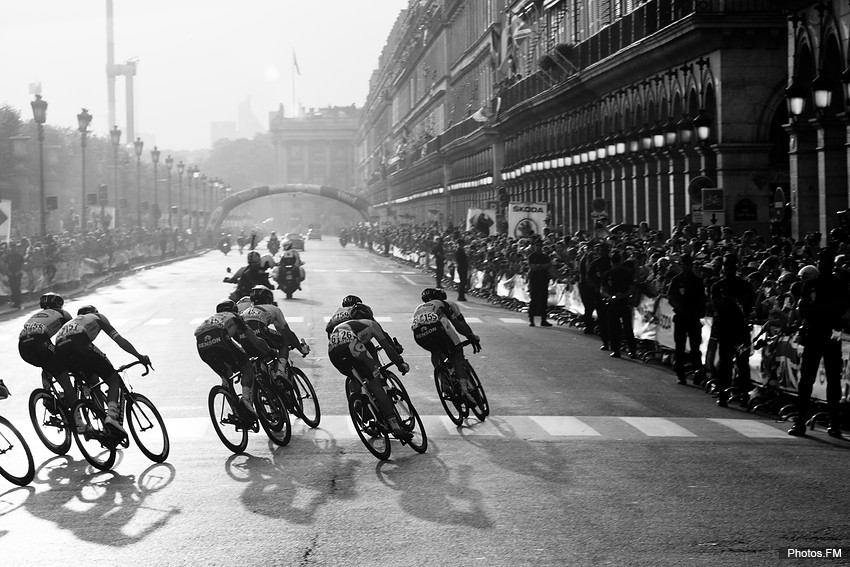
{"x": 291, "y": 258}
{"x": 242, "y": 240}
{"x": 246, "y": 277}
{"x": 273, "y": 244}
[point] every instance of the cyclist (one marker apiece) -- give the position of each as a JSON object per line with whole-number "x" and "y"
{"x": 74, "y": 344}
{"x": 267, "y": 320}
{"x": 343, "y": 313}
{"x": 349, "y": 349}
{"x": 222, "y": 340}
{"x": 35, "y": 347}
{"x": 434, "y": 324}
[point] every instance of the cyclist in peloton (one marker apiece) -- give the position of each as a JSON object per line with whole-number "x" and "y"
{"x": 434, "y": 324}
{"x": 221, "y": 341}
{"x": 343, "y": 313}
{"x": 74, "y": 343}
{"x": 267, "y": 320}
{"x": 349, "y": 349}
{"x": 36, "y": 348}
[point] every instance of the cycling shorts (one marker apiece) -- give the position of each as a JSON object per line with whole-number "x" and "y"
{"x": 39, "y": 351}
{"x": 345, "y": 357}
{"x": 271, "y": 337}
{"x": 434, "y": 338}
{"x": 81, "y": 356}
{"x": 220, "y": 353}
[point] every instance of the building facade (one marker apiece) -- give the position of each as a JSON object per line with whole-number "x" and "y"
{"x": 620, "y": 110}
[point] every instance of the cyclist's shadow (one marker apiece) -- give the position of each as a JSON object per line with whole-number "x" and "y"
{"x": 444, "y": 498}
{"x": 99, "y": 507}
{"x": 294, "y": 490}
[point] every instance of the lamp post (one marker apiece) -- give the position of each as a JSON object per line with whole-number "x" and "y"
{"x": 83, "y": 121}
{"x": 39, "y": 114}
{"x": 155, "y": 211}
{"x": 169, "y": 162}
{"x": 203, "y": 195}
{"x": 193, "y": 175}
{"x": 115, "y": 137}
{"x": 180, "y": 167}
{"x": 139, "y": 146}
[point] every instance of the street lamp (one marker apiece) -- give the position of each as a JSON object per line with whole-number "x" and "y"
{"x": 139, "y": 146}
{"x": 83, "y": 121}
{"x": 180, "y": 167}
{"x": 155, "y": 159}
{"x": 204, "y": 195}
{"x": 39, "y": 114}
{"x": 115, "y": 136}
{"x": 169, "y": 161}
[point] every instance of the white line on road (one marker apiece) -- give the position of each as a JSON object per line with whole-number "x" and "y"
{"x": 755, "y": 429}
{"x": 158, "y": 321}
{"x": 513, "y": 320}
{"x": 563, "y": 425}
{"x": 657, "y": 427}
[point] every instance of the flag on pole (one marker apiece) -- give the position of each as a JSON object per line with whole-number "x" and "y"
{"x": 295, "y": 63}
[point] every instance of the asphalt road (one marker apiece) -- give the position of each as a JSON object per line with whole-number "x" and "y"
{"x": 585, "y": 460}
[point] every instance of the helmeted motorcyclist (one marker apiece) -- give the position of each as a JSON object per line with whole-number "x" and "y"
{"x": 248, "y": 276}
{"x": 274, "y": 243}
{"x": 290, "y": 257}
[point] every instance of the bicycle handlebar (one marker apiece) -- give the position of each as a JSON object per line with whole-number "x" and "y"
{"x": 148, "y": 366}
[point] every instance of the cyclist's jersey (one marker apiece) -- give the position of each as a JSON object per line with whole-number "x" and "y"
{"x": 266, "y": 315}
{"x": 340, "y": 316}
{"x": 437, "y": 314}
{"x": 350, "y": 335}
{"x": 45, "y": 322}
{"x": 88, "y": 325}
{"x": 226, "y": 322}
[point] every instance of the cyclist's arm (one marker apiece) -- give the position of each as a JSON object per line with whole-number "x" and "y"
{"x": 457, "y": 320}
{"x": 107, "y": 328}
{"x": 380, "y": 336}
{"x": 246, "y": 334}
{"x": 284, "y": 329}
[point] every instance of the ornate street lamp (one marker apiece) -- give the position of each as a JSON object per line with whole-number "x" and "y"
{"x": 169, "y": 162}
{"x": 822, "y": 91}
{"x": 155, "y": 159}
{"x": 39, "y": 114}
{"x": 138, "y": 145}
{"x": 180, "y": 168}
{"x": 702, "y": 126}
{"x": 83, "y": 121}
{"x": 686, "y": 130}
{"x": 796, "y": 95}
{"x": 115, "y": 137}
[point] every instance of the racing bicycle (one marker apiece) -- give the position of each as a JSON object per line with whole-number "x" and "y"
{"x": 297, "y": 392}
{"x": 232, "y": 421}
{"x": 51, "y": 418}
{"x": 372, "y": 427}
{"x": 98, "y": 444}
{"x": 449, "y": 389}
{"x": 16, "y": 463}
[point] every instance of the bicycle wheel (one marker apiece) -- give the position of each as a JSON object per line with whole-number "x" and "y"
{"x": 272, "y": 413}
{"x": 54, "y": 429}
{"x": 147, "y": 427}
{"x": 96, "y": 445}
{"x": 407, "y": 415}
{"x": 364, "y": 417}
{"x": 16, "y": 464}
{"x": 226, "y": 421}
{"x": 305, "y": 398}
{"x": 446, "y": 392}
{"x": 482, "y": 408}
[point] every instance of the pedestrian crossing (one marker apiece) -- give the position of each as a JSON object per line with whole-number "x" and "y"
{"x": 540, "y": 428}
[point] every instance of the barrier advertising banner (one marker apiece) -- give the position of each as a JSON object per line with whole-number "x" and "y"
{"x": 481, "y": 220}
{"x": 525, "y": 219}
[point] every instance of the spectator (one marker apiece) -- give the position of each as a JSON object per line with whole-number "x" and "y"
{"x": 539, "y": 265}
{"x": 617, "y": 290}
{"x": 687, "y": 297}
{"x": 595, "y": 272}
{"x": 14, "y": 261}
{"x": 462, "y": 265}
{"x": 439, "y": 255}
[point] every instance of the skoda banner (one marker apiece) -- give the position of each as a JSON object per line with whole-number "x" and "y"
{"x": 481, "y": 220}
{"x": 525, "y": 219}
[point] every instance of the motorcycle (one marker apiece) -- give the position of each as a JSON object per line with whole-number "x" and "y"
{"x": 238, "y": 293}
{"x": 288, "y": 278}
{"x": 224, "y": 246}
{"x": 343, "y": 240}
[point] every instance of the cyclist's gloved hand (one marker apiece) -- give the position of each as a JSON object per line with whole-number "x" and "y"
{"x": 476, "y": 344}
{"x": 144, "y": 359}
{"x": 403, "y": 367}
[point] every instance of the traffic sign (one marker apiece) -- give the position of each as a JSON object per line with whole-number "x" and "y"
{"x": 713, "y": 218}
{"x": 713, "y": 200}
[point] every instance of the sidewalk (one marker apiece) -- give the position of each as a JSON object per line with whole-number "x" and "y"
{"x": 32, "y": 302}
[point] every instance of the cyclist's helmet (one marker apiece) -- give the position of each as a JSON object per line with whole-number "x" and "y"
{"x": 243, "y": 304}
{"x": 361, "y": 311}
{"x": 253, "y": 257}
{"x": 51, "y": 300}
{"x": 267, "y": 261}
{"x": 808, "y": 273}
{"x": 86, "y": 309}
{"x": 261, "y": 295}
{"x": 431, "y": 293}
{"x": 226, "y": 306}
{"x": 350, "y": 300}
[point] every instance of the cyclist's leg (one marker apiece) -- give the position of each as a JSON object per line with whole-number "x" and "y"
{"x": 369, "y": 368}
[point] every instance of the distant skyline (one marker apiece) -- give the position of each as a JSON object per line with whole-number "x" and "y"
{"x": 198, "y": 60}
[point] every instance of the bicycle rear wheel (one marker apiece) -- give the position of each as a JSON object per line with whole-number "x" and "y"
{"x": 306, "y": 403}
{"x": 366, "y": 423}
{"x": 482, "y": 408}
{"x": 16, "y": 464}
{"x": 408, "y": 417}
{"x": 272, "y": 413}
{"x": 147, "y": 427}
{"x": 96, "y": 445}
{"x": 446, "y": 387}
{"x": 224, "y": 414}
{"x": 53, "y": 428}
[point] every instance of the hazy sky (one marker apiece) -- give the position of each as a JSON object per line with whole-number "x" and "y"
{"x": 198, "y": 60}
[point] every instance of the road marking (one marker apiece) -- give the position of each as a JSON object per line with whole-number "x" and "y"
{"x": 657, "y": 427}
{"x": 410, "y": 281}
{"x": 563, "y": 425}
{"x": 753, "y": 429}
{"x": 512, "y": 320}
{"x": 197, "y": 321}
{"x": 472, "y": 320}
{"x": 384, "y": 319}
{"x": 158, "y": 321}
{"x": 295, "y": 319}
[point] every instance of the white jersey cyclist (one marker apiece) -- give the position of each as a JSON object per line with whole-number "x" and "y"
{"x": 267, "y": 320}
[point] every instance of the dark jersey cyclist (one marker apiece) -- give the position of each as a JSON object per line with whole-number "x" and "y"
{"x": 348, "y": 350}
{"x": 434, "y": 324}
{"x": 267, "y": 320}
{"x": 74, "y": 343}
{"x": 36, "y": 348}
{"x": 342, "y": 314}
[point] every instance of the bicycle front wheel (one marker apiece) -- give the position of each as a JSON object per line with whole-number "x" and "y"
{"x": 446, "y": 388}
{"x": 482, "y": 407}
{"x": 224, "y": 408}
{"x": 272, "y": 413}
{"x": 366, "y": 423}
{"x": 16, "y": 464}
{"x": 52, "y": 427}
{"x": 306, "y": 402}
{"x": 408, "y": 417}
{"x": 96, "y": 445}
{"x": 147, "y": 427}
